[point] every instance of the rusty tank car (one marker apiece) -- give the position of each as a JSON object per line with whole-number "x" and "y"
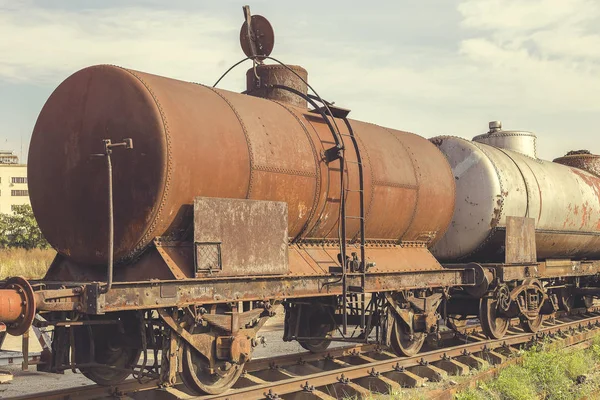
{"x": 192, "y": 140}
{"x": 182, "y": 214}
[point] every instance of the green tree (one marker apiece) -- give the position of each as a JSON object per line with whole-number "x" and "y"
{"x": 21, "y": 229}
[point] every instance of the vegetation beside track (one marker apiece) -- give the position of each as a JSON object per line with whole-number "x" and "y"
{"x": 547, "y": 372}
{"x": 31, "y": 264}
{"x": 23, "y": 249}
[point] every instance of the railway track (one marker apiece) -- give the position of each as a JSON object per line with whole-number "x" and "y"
{"x": 358, "y": 370}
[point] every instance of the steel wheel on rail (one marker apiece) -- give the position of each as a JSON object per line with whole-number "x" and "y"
{"x": 584, "y": 301}
{"x": 197, "y": 376}
{"x": 317, "y": 345}
{"x": 110, "y": 348}
{"x": 315, "y": 321}
{"x": 403, "y": 342}
{"x": 493, "y": 324}
{"x": 566, "y": 300}
{"x": 532, "y": 325}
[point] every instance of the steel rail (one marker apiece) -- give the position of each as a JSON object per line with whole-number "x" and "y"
{"x": 378, "y": 368}
{"x": 350, "y": 364}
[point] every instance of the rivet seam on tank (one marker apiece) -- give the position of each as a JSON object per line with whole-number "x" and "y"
{"x": 316, "y": 158}
{"x": 539, "y": 193}
{"x": 245, "y": 130}
{"x": 504, "y": 134}
{"x": 319, "y": 212}
{"x": 493, "y": 230}
{"x": 524, "y": 180}
{"x": 287, "y": 171}
{"x": 417, "y": 180}
{"x": 500, "y": 209}
{"x": 395, "y": 184}
{"x": 372, "y": 194}
{"x": 149, "y": 232}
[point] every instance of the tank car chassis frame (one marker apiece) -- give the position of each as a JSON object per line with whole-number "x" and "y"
{"x": 522, "y": 286}
{"x": 76, "y": 308}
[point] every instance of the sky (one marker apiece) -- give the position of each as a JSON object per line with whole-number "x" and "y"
{"x": 433, "y": 67}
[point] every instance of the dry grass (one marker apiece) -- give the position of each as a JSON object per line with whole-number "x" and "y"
{"x": 30, "y": 264}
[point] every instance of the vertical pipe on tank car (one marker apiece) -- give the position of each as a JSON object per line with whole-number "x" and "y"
{"x": 111, "y": 226}
{"x": 108, "y": 146}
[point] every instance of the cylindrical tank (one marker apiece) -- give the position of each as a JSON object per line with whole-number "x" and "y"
{"x": 581, "y": 159}
{"x": 191, "y": 140}
{"x": 519, "y": 141}
{"x": 260, "y": 78}
{"x": 493, "y": 183}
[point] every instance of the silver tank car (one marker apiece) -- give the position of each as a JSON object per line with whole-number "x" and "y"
{"x": 498, "y": 175}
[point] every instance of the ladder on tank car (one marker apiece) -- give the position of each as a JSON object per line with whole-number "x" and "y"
{"x": 329, "y": 113}
{"x": 349, "y": 267}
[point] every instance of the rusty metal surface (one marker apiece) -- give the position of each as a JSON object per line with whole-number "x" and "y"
{"x": 10, "y": 305}
{"x": 520, "y": 241}
{"x": 581, "y": 159}
{"x": 145, "y": 295}
{"x": 311, "y": 259}
{"x": 493, "y": 184}
{"x": 191, "y": 141}
{"x": 17, "y": 305}
{"x": 269, "y": 75}
{"x": 257, "y": 39}
{"x": 240, "y": 237}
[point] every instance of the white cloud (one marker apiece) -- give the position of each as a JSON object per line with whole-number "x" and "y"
{"x": 48, "y": 44}
{"x": 525, "y": 15}
{"x": 534, "y": 64}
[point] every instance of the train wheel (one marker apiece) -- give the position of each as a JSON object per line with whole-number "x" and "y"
{"x": 197, "y": 376}
{"x": 532, "y": 325}
{"x": 317, "y": 345}
{"x": 566, "y": 300}
{"x": 108, "y": 349}
{"x": 493, "y": 325}
{"x": 402, "y": 342}
{"x": 585, "y": 301}
{"x": 312, "y": 325}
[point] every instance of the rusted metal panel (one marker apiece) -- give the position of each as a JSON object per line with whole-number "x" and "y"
{"x": 10, "y": 305}
{"x": 192, "y": 140}
{"x": 382, "y": 258}
{"x": 240, "y": 237}
{"x": 178, "y": 257}
{"x": 270, "y": 75}
{"x": 581, "y": 159}
{"x": 520, "y": 240}
{"x": 540, "y": 270}
{"x": 146, "y": 295}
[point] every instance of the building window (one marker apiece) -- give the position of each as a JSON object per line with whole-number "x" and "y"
{"x": 19, "y": 192}
{"x": 19, "y": 179}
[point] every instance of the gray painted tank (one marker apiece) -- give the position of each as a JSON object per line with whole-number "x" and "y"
{"x": 494, "y": 182}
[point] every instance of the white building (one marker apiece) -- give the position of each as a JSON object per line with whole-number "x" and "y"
{"x": 13, "y": 182}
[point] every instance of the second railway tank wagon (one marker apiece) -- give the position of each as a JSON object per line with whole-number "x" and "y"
{"x": 531, "y": 226}
{"x": 498, "y": 175}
